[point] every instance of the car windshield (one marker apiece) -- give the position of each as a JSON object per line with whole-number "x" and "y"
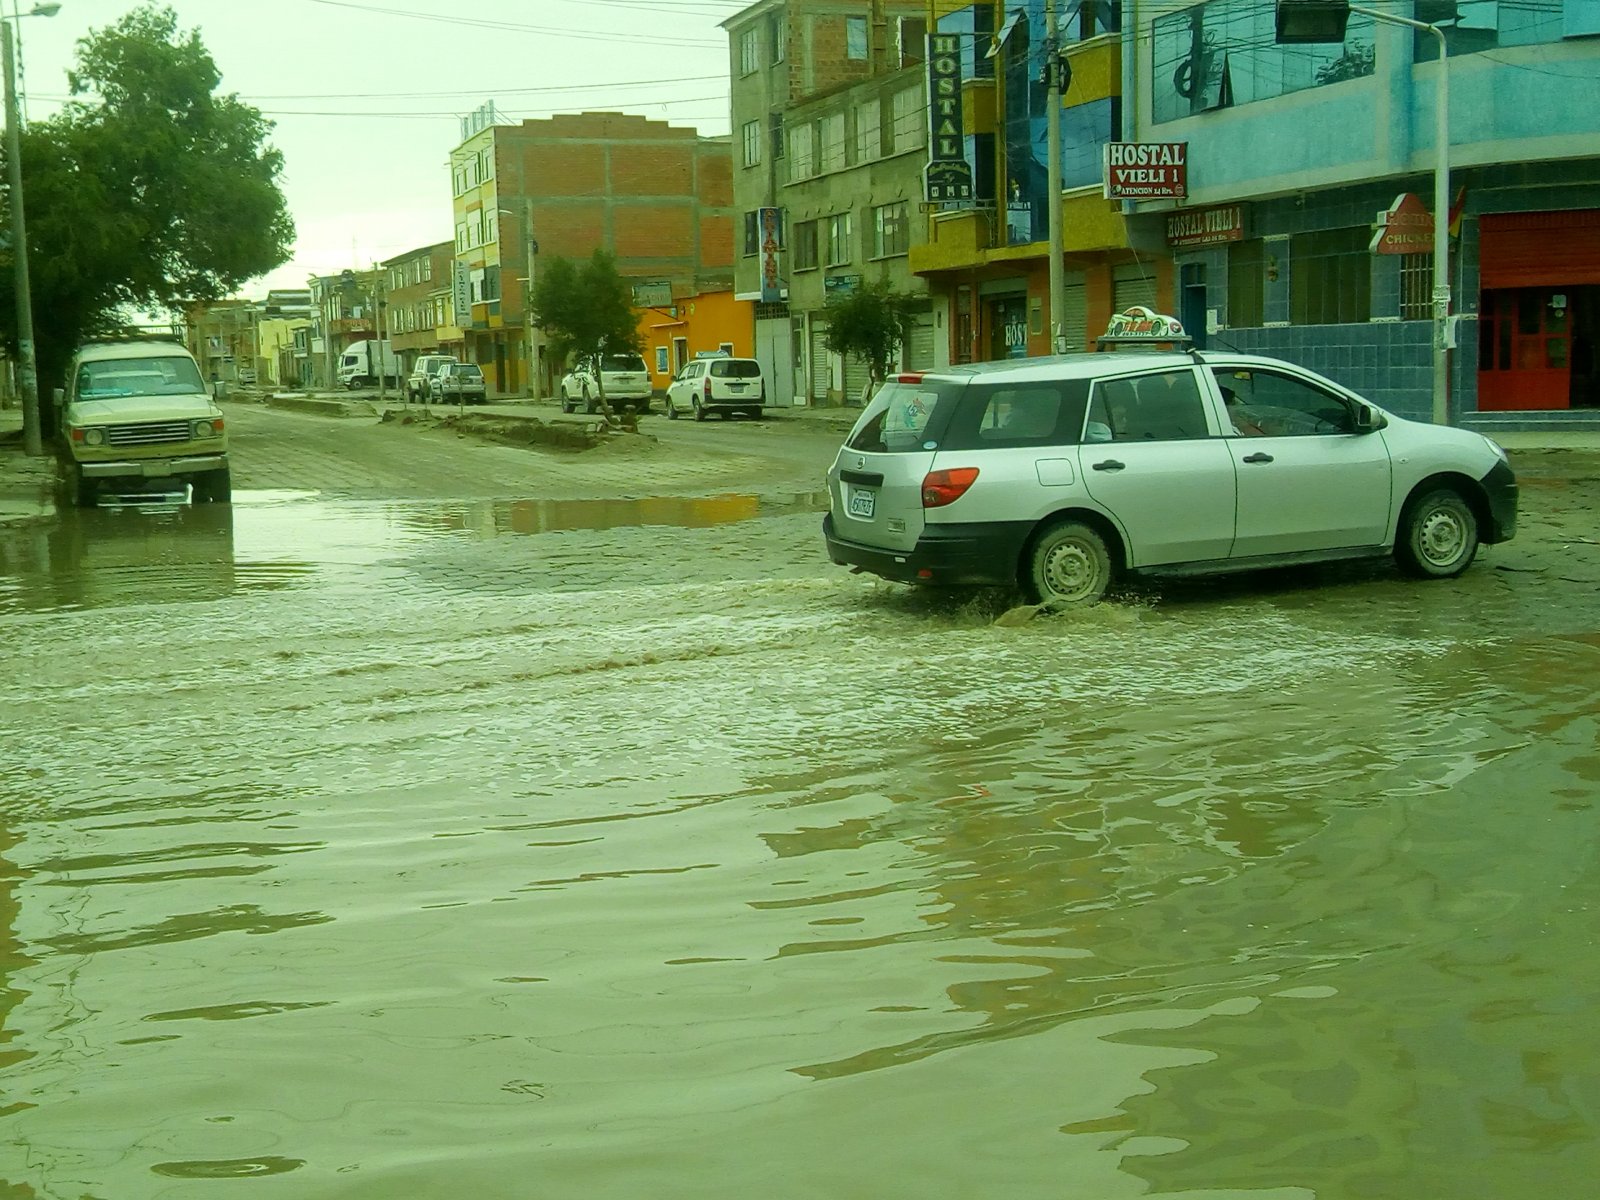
{"x": 899, "y": 417}
{"x": 109, "y": 377}
{"x": 622, "y": 362}
{"x": 736, "y": 368}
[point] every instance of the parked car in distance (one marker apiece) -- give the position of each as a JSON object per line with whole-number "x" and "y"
{"x": 717, "y": 385}
{"x": 460, "y": 383}
{"x": 1057, "y": 475}
{"x": 422, "y": 373}
{"x": 136, "y": 418}
{"x": 626, "y": 379}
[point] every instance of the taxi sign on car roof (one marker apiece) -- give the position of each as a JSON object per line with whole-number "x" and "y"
{"x": 1139, "y": 326}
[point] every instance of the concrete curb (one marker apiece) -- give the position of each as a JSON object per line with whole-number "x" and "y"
{"x": 319, "y": 406}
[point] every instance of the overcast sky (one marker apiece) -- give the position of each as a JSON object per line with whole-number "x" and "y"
{"x": 367, "y": 95}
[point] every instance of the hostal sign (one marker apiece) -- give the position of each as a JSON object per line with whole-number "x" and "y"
{"x": 1147, "y": 170}
{"x": 948, "y": 177}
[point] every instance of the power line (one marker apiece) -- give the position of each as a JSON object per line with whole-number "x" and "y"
{"x": 514, "y": 27}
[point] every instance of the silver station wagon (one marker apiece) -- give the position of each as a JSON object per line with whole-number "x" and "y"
{"x": 1057, "y": 475}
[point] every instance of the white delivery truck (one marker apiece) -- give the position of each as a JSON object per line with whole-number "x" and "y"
{"x": 362, "y": 362}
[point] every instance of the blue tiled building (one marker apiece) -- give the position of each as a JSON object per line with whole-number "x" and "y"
{"x": 1294, "y": 153}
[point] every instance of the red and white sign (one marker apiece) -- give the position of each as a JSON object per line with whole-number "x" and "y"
{"x": 1406, "y": 228}
{"x": 1206, "y": 226}
{"x": 1146, "y": 170}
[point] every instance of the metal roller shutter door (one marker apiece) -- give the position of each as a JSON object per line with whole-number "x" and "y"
{"x": 856, "y": 375}
{"x": 1544, "y": 249}
{"x": 820, "y": 374}
{"x": 919, "y": 349}
{"x": 1075, "y": 317}
{"x": 1133, "y": 283}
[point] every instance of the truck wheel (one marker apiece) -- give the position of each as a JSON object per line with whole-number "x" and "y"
{"x": 213, "y": 487}
{"x": 81, "y": 491}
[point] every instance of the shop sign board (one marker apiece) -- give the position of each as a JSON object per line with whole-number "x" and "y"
{"x": 947, "y": 179}
{"x": 1405, "y": 227}
{"x": 1146, "y": 170}
{"x": 460, "y": 293}
{"x": 1205, "y": 226}
{"x": 771, "y": 225}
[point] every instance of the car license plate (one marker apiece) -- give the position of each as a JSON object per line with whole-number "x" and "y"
{"x": 736, "y": 387}
{"x": 862, "y": 502}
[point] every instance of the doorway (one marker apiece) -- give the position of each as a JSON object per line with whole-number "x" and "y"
{"x": 1536, "y": 348}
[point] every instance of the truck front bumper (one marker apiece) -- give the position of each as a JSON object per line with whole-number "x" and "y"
{"x": 153, "y": 468}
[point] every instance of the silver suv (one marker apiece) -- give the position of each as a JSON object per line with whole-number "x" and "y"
{"x": 1056, "y": 475}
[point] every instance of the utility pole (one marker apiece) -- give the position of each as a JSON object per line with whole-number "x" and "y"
{"x": 27, "y": 367}
{"x": 1058, "y": 270}
{"x": 530, "y": 248}
{"x": 379, "y": 304}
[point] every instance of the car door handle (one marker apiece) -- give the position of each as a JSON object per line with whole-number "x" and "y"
{"x": 1110, "y": 464}
{"x": 1258, "y": 456}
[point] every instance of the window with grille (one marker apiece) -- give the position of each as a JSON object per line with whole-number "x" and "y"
{"x": 831, "y": 151}
{"x": 752, "y": 143}
{"x": 749, "y": 51}
{"x": 1330, "y": 277}
{"x": 1416, "y": 287}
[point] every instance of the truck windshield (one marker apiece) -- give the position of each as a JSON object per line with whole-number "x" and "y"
{"x": 109, "y": 377}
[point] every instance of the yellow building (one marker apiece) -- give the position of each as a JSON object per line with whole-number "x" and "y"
{"x": 673, "y": 334}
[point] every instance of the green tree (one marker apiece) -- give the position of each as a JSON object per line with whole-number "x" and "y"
{"x": 586, "y": 309}
{"x": 147, "y": 192}
{"x": 872, "y": 322}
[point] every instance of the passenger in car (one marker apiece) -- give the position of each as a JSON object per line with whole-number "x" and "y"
{"x": 1240, "y": 415}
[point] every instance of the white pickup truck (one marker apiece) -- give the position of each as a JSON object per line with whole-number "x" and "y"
{"x": 136, "y": 418}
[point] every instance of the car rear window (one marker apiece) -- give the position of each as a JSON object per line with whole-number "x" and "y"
{"x": 1038, "y": 413}
{"x": 735, "y": 368}
{"x": 905, "y": 416}
{"x": 622, "y": 362}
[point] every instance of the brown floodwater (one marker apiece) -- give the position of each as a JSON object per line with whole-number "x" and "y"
{"x": 436, "y": 850}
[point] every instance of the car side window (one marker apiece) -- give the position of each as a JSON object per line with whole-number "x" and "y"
{"x": 1266, "y": 403}
{"x": 1043, "y": 413}
{"x": 1161, "y": 407}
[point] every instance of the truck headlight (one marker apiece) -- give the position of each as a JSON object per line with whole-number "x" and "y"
{"x": 94, "y": 437}
{"x": 207, "y": 428}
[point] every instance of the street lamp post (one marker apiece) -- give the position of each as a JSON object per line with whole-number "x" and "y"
{"x": 27, "y": 366}
{"x": 1323, "y": 21}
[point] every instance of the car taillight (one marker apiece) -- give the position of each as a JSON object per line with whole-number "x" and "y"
{"x": 909, "y": 377}
{"x": 946, "y": 487}
{"x": 708, "y": 387}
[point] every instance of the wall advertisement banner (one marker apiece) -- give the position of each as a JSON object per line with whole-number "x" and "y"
{"x": 771, "y": 225}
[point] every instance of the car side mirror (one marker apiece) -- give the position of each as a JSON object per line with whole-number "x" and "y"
{"x": 1368, "y": 419}
{"x": 59, "y": 395}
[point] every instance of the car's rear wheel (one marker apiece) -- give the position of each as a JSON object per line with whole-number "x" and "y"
{"x": 1069, "y": 565}
{"x": 754, "y": 414}
{"x": 699, "y": 412}
{"x": 1438, "y": 536}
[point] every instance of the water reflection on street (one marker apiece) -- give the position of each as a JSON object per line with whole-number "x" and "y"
{"x": 384, "y": 849}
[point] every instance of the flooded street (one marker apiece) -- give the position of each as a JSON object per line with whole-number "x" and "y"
{"x": 367, "y": 844}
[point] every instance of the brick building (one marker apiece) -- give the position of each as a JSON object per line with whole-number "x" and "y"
{"x": 417, "y": 316}
{"x": 656, "y": 196}
{"x": 829, "y": 119}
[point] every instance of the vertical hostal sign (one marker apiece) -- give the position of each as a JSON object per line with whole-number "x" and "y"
{"x": 948, "y": 178}
{"x": 771, "y": 220}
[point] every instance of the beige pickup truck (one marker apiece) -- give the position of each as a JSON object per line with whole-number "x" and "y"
{"x": 136, "y": 418}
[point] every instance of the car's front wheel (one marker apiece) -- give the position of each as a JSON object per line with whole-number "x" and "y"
{"x": 1069, "y": 565}
{"x": 1438, "y": 536}
{"x": 213, "y": 487}
{"x": 672, "y": 413}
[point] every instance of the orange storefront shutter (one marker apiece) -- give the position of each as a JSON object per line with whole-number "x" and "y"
{"x": 1548, "y": 249}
